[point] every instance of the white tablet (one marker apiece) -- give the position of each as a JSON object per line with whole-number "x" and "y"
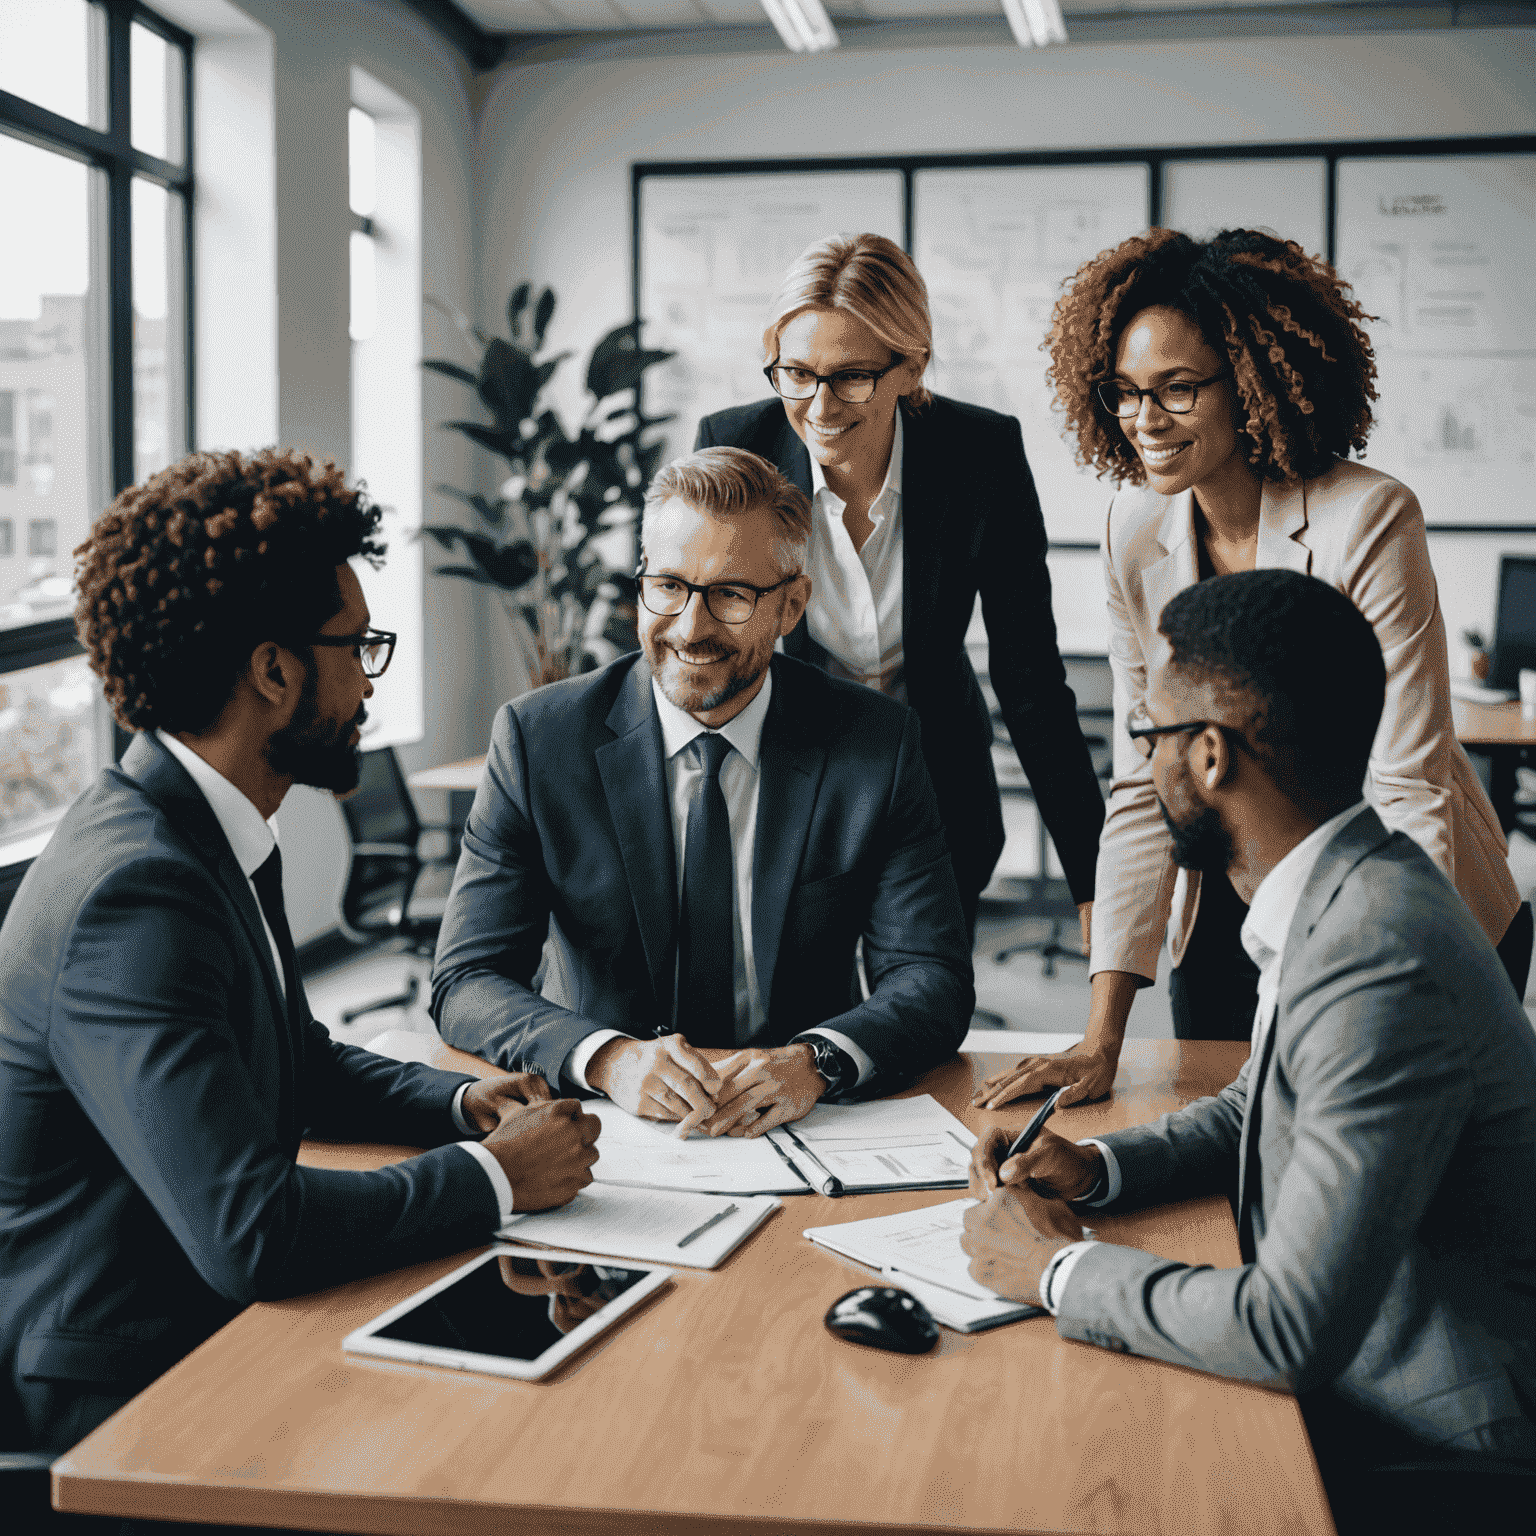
{"x": 509, "y": 1312}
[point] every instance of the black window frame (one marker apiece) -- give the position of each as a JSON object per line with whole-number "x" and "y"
{"x": 111, "y": 151}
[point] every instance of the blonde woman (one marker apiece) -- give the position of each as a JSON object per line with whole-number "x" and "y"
{"x": 920, "y": 503}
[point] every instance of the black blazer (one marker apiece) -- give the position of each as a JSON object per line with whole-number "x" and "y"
{"x": 970, "y": 523}
{"x": 571, "y": 834}
{"x": 152, "y": 1098}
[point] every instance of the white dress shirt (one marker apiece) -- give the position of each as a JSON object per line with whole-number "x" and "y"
{"x": 1264, "y": 933}
{"x": 855, "y": 609}
{"x": 251, "y": 839}
{"x": 739, "y": 780}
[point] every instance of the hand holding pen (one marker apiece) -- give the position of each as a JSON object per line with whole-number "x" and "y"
{"x": 1050, "y": 1164}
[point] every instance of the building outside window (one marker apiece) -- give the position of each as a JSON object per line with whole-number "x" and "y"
{"x": 95, "y": 159}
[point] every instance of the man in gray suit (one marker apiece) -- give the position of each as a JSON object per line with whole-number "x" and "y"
{"x": 1380, "y": 1142}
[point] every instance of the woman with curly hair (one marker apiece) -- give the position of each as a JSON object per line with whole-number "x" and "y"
{"x": 920, "y": 504}
{"x": 1223, "y": 384}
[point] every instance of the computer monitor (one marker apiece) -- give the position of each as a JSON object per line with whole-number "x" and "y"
{"x": 1514, "y": 631}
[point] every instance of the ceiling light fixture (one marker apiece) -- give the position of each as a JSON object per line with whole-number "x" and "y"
{"x": 1034, "y": 23}
{"x": 804, "y": 24}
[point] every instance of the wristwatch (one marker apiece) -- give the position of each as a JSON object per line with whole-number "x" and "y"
{"x": 836, "y": 1067}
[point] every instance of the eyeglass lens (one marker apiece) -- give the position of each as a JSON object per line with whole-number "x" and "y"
{"x": 1177, "y": 398}
{"x": 666, "y": 598}
{"x": 376, "y": 656}
{"x": 801, "y": 384}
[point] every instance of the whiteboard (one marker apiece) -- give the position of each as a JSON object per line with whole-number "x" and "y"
{"x": 1289, "y": 198}
{"x": 994, "y": 246}
{"x": 1439, "y": 250}
{"x": 713, "y": 250}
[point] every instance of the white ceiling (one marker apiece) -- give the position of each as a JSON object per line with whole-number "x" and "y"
{"x": 503, "y": 16}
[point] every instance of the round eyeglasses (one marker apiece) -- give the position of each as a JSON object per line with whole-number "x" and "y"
{"x": 374, "y": 647}
{"x": 1177, "y": 397}
{"x": 731, "y": 602}
{"x": 853, "y": 386}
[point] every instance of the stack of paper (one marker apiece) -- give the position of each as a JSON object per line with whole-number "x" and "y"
{"x": 657, "y": 1226}
{"x": 888, "y": 1144}
{"x": 920, "y": 1251}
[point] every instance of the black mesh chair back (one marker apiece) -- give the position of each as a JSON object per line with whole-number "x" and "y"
{"x": 382, "y": 811}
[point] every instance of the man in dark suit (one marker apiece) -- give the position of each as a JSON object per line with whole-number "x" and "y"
{"x": 705, "y": 832}
{"x": 158, "y": 1062}
{"x": 1380, "y": 1143}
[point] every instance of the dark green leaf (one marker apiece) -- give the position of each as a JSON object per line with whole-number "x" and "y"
{"x": 508, "y": 384}
{"x": 541, "y": 314}
{"x": 649, "y": 460}
{"x": 449, "y": 370}
{"x": 516, "y": 304}
{"x": 467, "y": 573}
{"x": 618, "y": 361}
{"x": 446, "y": 534}
{"x": 545, "y": 371}
{"x": 488, "y": 437}
{"x": 490, "y": 510}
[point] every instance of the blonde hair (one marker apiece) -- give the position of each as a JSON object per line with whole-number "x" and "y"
{"x": 727, "y": 482}
{"x": 870, "y": 278}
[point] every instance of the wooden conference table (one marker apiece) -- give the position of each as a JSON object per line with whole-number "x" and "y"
{"x": 725, "y": 1406}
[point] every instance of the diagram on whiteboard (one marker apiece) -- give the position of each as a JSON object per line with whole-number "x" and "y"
{"x": 1438, "y": 250}
{"x": 713, "y": 250}
{"x": 994, "y": 246}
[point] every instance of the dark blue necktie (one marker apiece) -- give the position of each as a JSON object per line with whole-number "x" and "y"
{"x": 706, "y": 986}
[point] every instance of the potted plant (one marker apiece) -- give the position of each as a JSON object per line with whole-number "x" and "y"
{"x": 557, "y": 541}
{"x": 1482, "y": 662}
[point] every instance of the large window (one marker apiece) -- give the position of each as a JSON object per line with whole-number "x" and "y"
{"x": 95, "y": 169}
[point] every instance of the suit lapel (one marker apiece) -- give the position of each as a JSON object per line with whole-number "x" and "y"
{"x": 633, "y": 773}
{"x": 1283, "y": 528}
{"x": 1248, "y": 1149}
{"x": 924, "y": 517}
{"x": 172, "y": 789}
{"x": 789, "y": 768}
{"x": 1166, "y": 578}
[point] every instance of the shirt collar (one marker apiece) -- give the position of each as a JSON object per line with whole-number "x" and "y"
{"x": 1274, "y": 904}
{"x": 892, "y": 481}
{"x": 744, "y": 731}
{"x": 251, "y": 839}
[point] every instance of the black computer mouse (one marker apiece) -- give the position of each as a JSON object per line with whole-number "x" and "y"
{"x": 884, "y": 1318}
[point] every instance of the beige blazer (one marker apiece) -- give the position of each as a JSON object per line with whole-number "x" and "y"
{"x": 1363, "y": 533}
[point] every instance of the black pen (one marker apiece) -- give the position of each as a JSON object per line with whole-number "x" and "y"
{"x": 704, "y": 1227}
{"x": 831, "y": 1185}
{"x": 1026, "y": 1138}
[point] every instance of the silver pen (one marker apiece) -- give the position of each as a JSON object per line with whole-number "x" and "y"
{"x": 704, "y": 1226}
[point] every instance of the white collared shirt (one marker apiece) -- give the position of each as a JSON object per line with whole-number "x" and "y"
{"x": 855, "y": 609}
{"x": 739, "y": 780}
{"x": 1264, "y": 933}
{"x": 251, "y": 839}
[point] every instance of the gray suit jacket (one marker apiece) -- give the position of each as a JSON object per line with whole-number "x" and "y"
{"x": 1382, "y": 1151}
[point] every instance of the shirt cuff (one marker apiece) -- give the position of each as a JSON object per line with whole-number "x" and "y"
{"x": 575, "y": 1065}
{"x": 466, "y": 1128}
{"x": 493, "y": 1171}
{"x": 843, "y": 1043}
{"x": 1111, "y": 1174}
{"x": 1053, "y": 1283}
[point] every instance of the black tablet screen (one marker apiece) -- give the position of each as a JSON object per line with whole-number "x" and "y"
{"x": 512, "y": 1306}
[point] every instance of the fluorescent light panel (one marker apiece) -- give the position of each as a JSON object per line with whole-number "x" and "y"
{"x": 804, "y": 25}
{"x": 1034, "y": 23}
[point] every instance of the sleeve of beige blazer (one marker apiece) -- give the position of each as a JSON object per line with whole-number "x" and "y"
{"x": 1361, "y": 532}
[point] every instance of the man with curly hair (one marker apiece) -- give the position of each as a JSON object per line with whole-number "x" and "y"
{"x": 1224, "y": 383}
{"x": 158, "y": 1061}
{"x": 1379, "y": 1145}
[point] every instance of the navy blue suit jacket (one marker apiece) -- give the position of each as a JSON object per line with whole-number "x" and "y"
{"x": 971, "y": 523}
{"x": 571, "y": 835}
{"x": 152, "y": 1098}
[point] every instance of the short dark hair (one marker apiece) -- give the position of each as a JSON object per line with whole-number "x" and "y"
{"x": 1311, "y": 658}
{"x": 182, "y": 577}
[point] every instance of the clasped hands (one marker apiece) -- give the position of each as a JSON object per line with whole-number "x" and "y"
{"x": 546, "y": 1146}
{"x": 742, "y": 1092}
{"x": 1023, "y": 1220}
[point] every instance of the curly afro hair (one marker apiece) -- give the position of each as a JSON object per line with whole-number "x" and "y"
{"x": 1302, "y": 365}
{"x": 1304, "y": 651}
{"x": 185, "y": 575}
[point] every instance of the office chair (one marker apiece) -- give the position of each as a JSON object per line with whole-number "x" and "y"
{"x": 386, "y": 900}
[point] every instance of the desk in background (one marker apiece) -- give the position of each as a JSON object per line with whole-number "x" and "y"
{"x": 1499, "y": 733}
{"x": 726, "y": 1403}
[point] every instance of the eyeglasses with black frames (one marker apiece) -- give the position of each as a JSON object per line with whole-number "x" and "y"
{"x": 1144, "y": 730}
{"x": 853, "y": 386}
{"x": 731, "y": 602}
{"x": 1177, "y": 397}
{"x": 374, "y": 648}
